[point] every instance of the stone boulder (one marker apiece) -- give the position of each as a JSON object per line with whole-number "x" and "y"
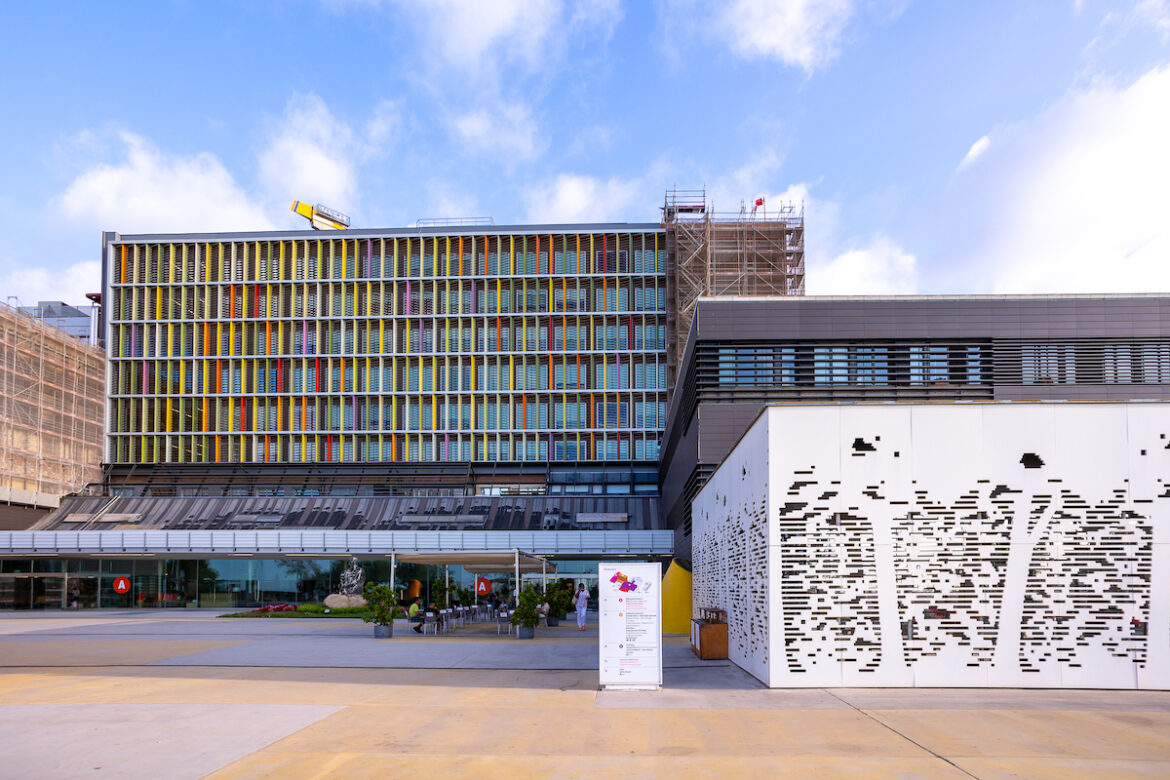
{"x": 338, "y": 601}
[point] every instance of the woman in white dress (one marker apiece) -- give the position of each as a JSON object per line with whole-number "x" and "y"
{"x": 582, "y": 601}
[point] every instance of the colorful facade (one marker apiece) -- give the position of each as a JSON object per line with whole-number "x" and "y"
{"x": 518, "y": 344}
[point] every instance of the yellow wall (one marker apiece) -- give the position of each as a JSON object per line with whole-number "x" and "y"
{"x": 676, "y": 600}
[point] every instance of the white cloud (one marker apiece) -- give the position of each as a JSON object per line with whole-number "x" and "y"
{"x": 479, "y": 39}
{"x": 506, "y": 130}
{"x": 1073, "y": 199}
{"x": 147, "y": 190}
{"x": 136, "y": 187}
{"x": 744, "y": 184}
{"x": 31, "y": 285}
{"x": 471, "y": 34}
{"x": 578, "y": 198}
{"x": 601, "y": 15}
{"x": 880, "y": 268}
{"x": 308, "y": 154}
{"x": 977, "y": 148}
{"x": 1155, "y": 13}
{"x": 311, "y": 155}
{"x": 805, "y": 34}
{"x": 802, "y": 33}
{"x": 381, "y": 128}
{"x": 839, "y": 263}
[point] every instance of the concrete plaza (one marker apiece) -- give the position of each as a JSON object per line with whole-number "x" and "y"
{"x": 186, "y": 695}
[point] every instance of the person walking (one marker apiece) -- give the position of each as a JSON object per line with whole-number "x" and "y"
{"x": 581, "y": 599}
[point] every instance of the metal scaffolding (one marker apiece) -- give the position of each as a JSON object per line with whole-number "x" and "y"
{"x": 710, "y": 253}
{"x": 52, "y": 393}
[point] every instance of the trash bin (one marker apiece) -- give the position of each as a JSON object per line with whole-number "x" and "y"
{"x": 709, "y": 634}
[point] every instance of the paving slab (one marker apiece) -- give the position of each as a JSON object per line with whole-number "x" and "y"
{"x": 168, "y": 696}
{"x": 167, "y": 639}
{"x": 1003, "y": 699}
{"x": 141, "y": 740}
{"x": 41, "y": 652}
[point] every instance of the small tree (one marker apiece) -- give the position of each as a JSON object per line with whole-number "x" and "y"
{"x": 526, "y": 613}
{"x": 381, "y": 602}
{"x": 441, "y": 592}
{"x": 560, "y": 602}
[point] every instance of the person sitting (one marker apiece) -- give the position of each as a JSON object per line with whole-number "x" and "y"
{"x": 433, "y": 610}
{"x": 414, "y": 617}
{"x": 543, "y": 610}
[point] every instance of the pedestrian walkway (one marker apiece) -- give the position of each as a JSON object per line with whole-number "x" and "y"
{"x": 193, "y": 696}
{"x": 177, "y": 639}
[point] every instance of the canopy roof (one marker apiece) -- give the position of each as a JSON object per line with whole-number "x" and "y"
{"x": 503, "y": 562}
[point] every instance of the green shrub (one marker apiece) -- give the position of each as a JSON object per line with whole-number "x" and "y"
{"x": 526, "y": 609}
{"x": 559, "y": 601}
{"x": 316, "y": 609}
{"x": 380, "y": 604}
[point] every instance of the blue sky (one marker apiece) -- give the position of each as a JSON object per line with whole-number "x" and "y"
{"x": 937, "y": 147}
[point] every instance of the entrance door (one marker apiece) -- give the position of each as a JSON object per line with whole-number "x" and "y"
{"x": 48, "y": 591}
{"x": 15, "y": 592}
{"x": 88, "y": 587}
{"x": 32, "y": 591}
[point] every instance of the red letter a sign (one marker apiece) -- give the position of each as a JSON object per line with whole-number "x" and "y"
{"x": 483, "y": 587}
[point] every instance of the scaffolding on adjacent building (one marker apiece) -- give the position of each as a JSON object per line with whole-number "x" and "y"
{"x": 52, "y": 396}
{"x": 752, "y": 252}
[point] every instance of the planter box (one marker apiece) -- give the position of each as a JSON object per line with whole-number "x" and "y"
{"x": 553, "y": 620}
{"x": 708, "y": 639}
{"x": 383, "y": 632}
{"x": 525, "y": 632}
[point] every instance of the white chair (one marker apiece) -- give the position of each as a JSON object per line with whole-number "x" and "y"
{"x": 431, "y": 621}
{"x": 504, "y": 618}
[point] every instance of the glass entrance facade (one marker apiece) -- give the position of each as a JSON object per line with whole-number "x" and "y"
{"x": 231, "y": 583}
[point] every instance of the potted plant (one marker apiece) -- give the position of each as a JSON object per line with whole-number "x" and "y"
{"x": 558, "y": 605}
{"x": 381, "y": 601}
{"x": 526, "y": 617}
{"x": 565, "y": 589}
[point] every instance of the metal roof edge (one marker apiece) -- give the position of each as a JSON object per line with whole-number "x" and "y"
{"x": 430, "y": 231}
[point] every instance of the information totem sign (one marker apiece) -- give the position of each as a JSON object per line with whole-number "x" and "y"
{"x": 630, "y": 625}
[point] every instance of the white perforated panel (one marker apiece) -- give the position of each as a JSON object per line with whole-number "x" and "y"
{"x": 988, "y": 544}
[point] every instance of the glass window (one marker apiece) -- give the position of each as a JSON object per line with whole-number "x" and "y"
{"x": 928, "y": 365}
{"x": 873, "y": 366}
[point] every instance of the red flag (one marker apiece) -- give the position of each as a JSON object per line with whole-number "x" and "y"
{"x": 483, "y": 587}
{"x": 759, "y": 201}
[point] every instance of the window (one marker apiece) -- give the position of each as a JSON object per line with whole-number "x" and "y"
{"x": 928, "y": 365}
{"x": 873, "y": 366}
{"x": 1047, "y": 364}
{"x": 741, "y": 365}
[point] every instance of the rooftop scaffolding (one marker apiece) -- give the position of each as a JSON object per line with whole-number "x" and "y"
{"x": 712, "y": 253}
{"x": 52, "y": 390}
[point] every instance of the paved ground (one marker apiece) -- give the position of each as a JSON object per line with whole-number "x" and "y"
{"x": 184, "y": 695}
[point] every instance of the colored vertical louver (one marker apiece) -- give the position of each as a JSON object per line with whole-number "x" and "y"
{"x": 395, "y": 348}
